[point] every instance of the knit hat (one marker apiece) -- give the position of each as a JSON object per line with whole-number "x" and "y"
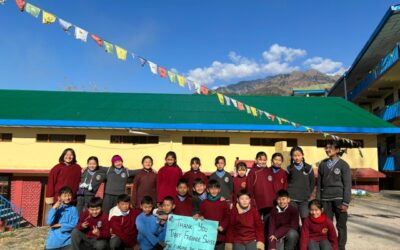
{"x": 116, "y": 158}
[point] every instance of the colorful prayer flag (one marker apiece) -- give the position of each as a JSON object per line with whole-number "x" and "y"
{"x": 108, "y": 47}
{"x": 171, "y": 76}
{"x": 48, "y": 17}
{"x": 2, "y": 2}
{"x": 66, "y": 26}
{"x": 240, "y": 106}
{"x": 253, "y": 111}
{"x": 248, "y": 110}
{"x": 97, "y": 39}
{"x": 162, "y": 71}
{"x": 81, "y": 34}
{"x": 197, "y": 87}
{"x": 220, "y": 98}
{"x": 142, "y": 61}
{"x": 133, "y": 56}
{"x": 121, "y": 53}
{"x": 153, "y": 67}
{"x": 181, "y": 80}
{"x": 234, "y": 102}
{"x": 227, "y": 100}
{"x": 20, "y": 4}
{"x": 32, "y": 9}
{"x": 204, "y": 90}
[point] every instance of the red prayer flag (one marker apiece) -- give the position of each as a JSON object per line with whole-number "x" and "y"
{"x": 204, "y": 90}
{"x": 162, "y": 71}
{"x": 240, "y": 106}
{"x": 97, "y": 39}
{"x": 20, "y": 4}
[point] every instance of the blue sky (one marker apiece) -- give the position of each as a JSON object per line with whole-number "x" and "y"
{"x": 213, "y": 42}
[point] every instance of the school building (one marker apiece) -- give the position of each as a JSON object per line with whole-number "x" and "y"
{"x": 36, "y": 126}
{"x": 373, "y": 83}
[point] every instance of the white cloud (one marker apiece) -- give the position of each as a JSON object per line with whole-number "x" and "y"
{"x": 281, "y": 53}
{"x": 325, "y": 65}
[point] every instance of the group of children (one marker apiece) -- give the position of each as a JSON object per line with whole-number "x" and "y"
{"x": 259, "y": 208}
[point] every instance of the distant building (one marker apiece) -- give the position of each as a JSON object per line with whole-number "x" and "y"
{"x": 310, "y": 92}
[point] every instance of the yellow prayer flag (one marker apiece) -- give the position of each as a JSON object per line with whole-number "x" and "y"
{"x": 121, "y": 53}
{"x": 253, "y": 111}
{"x": 220, "y": 98}
{"x": 48, "y": 18}
{"x": 181, "y": 80}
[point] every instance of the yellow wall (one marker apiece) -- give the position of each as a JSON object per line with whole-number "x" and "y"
{"x": 25, "y": 153}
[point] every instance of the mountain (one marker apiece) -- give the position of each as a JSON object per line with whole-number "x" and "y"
{"x": 282, "y": 84}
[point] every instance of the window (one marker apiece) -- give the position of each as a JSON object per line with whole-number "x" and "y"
{"x": 205, "y": 140}
{"x": 271, "y": 141}
{"x": 133, "y": 139}
{"x": 60, "y": 138}
{"x": 5, "y": 137}
{"x": 359, "y": 143}
{"x": 5, "y": 186}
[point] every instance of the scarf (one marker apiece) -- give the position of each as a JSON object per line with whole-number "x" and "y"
{"x": 298, "y": 166}
{"x": 214, "y": 199}
{"x": 220, "y": 173}
{"x": 318, "y": 220}
{"x": 275, "y": 169}
{"x": 330, "y": 163}
{"x": 182, "y": 198}
{"x": 118, "y": 170}
{"x": 203, "y": 196}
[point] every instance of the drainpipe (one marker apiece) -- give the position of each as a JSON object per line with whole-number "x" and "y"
{"x": 345, "y": 86}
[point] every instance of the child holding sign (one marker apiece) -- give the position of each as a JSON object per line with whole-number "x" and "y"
{"x": 199, "y": 194}
{"x": 183, "y": 202}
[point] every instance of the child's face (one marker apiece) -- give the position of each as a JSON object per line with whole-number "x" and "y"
{"x": 147, "y": 163}
{"x": 297, "y": 157}
{"x": 68, "y": 157}
{"x": 262, "y": 161}
{"x": 168, "y": 206}
{"x": 118, "y": 164}
{"x": 331, "y": 151}
{"x": 146, "y": 208}
{"x": 199, "y": 188}
{"x": 92, "y": 165}
{"x": 123, "y": 206}
{"x": 195, "y": 166}
{"x": 283, "y": 201}
{"x": 242, "y": 172}
{"x": 244, "y": 201}
{"x": 170, "y": 160}
{"x": 220, "y": 164}
{"x": 182, "y": 189}
{"x": 65, "y": 198}
{"x": 277, "y": 161}
{"x": 94, "y": 211}
{"x": 214, "y": 191}
{"x": 315, "y": 211}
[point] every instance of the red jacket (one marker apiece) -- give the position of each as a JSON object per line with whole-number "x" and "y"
{"x": 318, "y": 229}
{"x": 145, "y": 183}
{"x": 101, "y": 222}
{"x": 245, "y": 226}
{"x": 167, "y": 178}
{"x": 185, "y": 207}
{"x": 218, "y": 211}
{"x": 279, "y": 180}
{"x": 62, "y": 175}
{"x": 239, "y": 183}
{"x": 281, "y": 222}
{"x": 125, "y": 227}
{"x": 191, "y": 175}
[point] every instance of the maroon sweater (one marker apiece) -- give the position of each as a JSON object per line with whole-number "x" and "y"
{"x": 101, "y": 222}
{"x": 245, "y": 226}
{"x": 185, "y": 207}
{"x": 281, "y": 222}
{"x": 239, "y": 183}
{"x": 318, "y": 229}
{"x": 125, "y": 227}
{"x": 167, "y": 178}
{"x": 145, "y": 183}
{"x": 62, "y": 175}
{"x": 191, "y": 175}
{"x": 218, "y": 211}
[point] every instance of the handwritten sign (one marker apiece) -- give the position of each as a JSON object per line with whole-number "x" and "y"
{"x": 185, "y": 233}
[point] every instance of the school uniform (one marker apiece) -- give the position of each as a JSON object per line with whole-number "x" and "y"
{"x": 62, "y": 175}
{"x": 67, "y": 216}
{"x": 88, "y": 187}
{"x": 239, "y": 183}
{"x": 318, "y": 233}
{"x": 115, "y": 185}
{"x": 150, "y": 232}
{"x": 215, "y": 209}
{"x": 245, "y": 230}
{"x": 123, "y": 230}
{"x": 84, "y": 236}
{"x": 145, "y": 184}
{"x": 301, "y": 183}
{"x": 167, "y": 178}
{"x": 334, "y": 189}
{"x": 183, "y": 205}
{"x": 284, "y": 225}
{"x": 197, "y": 199}
{"x": 192, "y": 175}
{"x": 225, "y": 180}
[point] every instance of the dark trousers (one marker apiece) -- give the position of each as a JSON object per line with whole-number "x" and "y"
{"x": 83, "y": 202}
{"x": 319, "y": 245}
{"x": 81, "y": 242}
{"x": 117, "y": 244}
{"x": 289, "y": 241}
{"x": 302, "y": 206}
{"x": 331, "y": 209}
{"x": 109, "y": 202}
{"x": 219, "y": 245}
{"x": 252, "y": 245}
{"x": 264, "y": 213}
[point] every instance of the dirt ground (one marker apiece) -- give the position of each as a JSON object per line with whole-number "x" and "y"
{"x": 374, "y": 224}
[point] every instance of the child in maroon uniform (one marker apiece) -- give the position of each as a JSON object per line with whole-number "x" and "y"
{"x": 318, "y": 231}
{"x": 215, "y": 209}
{"x": 278, "y": 174}
{"x": 145, "y": 183}
{"x": 194, "y": 173}
{"x": 183, "y": 202}
{"x": 283, "y": 224}
{"x": 245, "y": 230}
{"x": 93, "y": 229}
{"x": 67, "y": 173}
{"x": 123, "y": 225}
{"x": 199, "y": 194}
{"x": 239, "y": 181}
{"x": 259, "y": 163}
{"x": 167, "y": 177}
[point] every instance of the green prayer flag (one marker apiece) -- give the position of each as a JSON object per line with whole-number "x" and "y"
{"x": 108, "y": 47}
{"x": 32, "y": 9}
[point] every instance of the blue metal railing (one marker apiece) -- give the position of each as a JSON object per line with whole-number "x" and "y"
{"x": 379, "y": 69}
{"x": 389, "y": 112}
{"x": 388, "y": 163}
{"x": 10, "y": 213}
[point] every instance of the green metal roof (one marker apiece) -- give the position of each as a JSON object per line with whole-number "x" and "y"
{"x": 175, "y": 111}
